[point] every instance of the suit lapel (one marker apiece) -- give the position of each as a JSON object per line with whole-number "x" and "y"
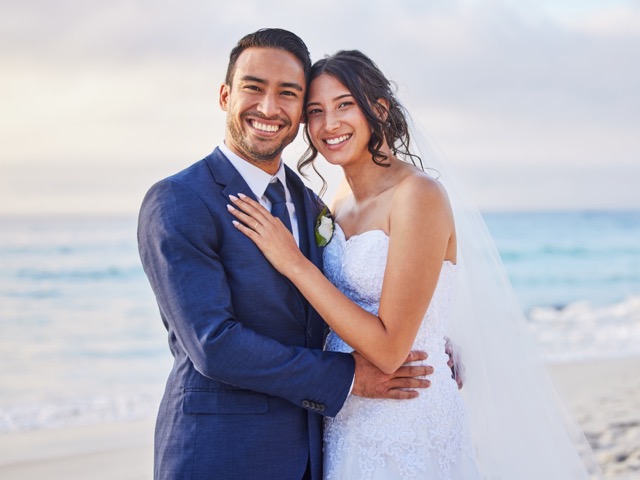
{"x": 301, "y": 213}
{"x": 306, "y": 211}
{"x": 227, "y": 176}
{"x": 308, "y": 207}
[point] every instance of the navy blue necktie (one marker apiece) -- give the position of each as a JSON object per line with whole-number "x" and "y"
{"x": 276, "y": 195}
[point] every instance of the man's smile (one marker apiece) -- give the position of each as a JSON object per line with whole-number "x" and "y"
{"x": 264, "y": 127}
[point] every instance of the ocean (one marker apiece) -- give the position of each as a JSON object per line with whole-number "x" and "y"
{"x": 82, "y": 341}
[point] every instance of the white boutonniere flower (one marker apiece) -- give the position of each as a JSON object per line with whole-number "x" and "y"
{"x": 324, "y": 228}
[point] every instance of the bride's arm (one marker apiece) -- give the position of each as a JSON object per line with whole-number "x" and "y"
{"x": 421, "y": 227}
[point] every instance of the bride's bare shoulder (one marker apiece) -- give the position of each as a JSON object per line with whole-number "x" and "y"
{"x": 420, "y": 204}
{"x": 418, "y": 187}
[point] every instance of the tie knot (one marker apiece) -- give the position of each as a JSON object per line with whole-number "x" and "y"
{"x": 275, "y": 192}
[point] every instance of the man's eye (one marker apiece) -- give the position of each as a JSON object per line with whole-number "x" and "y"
{"x": 289, "y": 93}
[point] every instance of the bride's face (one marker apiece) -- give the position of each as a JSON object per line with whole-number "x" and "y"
{"x": 337, "y": 127}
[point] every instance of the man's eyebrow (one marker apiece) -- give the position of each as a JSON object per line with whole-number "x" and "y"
{"x": 294, "y": 85}
{"x": 251, "y": 78}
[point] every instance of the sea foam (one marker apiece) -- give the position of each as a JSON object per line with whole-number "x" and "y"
{"x": 583, "y": 330}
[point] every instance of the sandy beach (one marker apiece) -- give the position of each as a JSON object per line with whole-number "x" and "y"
{"x": 122, "y": 451}
{"x": 603, "y": 395}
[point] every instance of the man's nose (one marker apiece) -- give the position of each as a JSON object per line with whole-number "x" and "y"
{"x": 269, "y": 105}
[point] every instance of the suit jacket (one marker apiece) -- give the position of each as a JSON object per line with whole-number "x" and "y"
{"x": 250, "y": 382}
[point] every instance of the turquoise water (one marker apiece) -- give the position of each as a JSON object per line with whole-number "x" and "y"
{"x": 82, "y": 342}
{"x": 554, "y": 259}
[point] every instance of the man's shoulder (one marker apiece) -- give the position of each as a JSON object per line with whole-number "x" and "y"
{"x": 193, "y": 182}
{"x": 192, "y": 173}
{"x": 196, "y": 176}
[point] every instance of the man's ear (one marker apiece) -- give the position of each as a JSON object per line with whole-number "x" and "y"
{"x": 382, "y": 108}
{"x": 303, "y": 117}
{"x": 223, "y": 98}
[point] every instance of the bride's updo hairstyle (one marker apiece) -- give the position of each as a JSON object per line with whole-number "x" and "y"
{"x": 364, "y": 80}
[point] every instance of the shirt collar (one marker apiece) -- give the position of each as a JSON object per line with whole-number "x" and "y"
{"x": 256, "y": 178}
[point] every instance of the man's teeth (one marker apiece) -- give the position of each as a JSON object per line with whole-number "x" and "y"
{"x": 335, "y": 141}
{"x": 264, "y": 127}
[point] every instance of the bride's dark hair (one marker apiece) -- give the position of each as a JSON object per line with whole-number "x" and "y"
{"x": 368, "y": 85}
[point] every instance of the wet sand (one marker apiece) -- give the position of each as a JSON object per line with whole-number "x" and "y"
{"x": 604, "y": 397}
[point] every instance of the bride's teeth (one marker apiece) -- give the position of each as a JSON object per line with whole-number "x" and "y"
{"x": 335, "y": 141}
{"x": 264, "y": 127}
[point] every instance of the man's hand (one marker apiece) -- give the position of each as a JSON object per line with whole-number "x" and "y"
{"x": 456, "y": 366}
{"x": 370, "y": 382}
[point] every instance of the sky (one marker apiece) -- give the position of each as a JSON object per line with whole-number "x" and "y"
{"x": 536, "y": 104}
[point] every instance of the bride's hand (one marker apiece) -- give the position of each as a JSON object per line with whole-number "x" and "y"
{"x": 269, "y": 234}
{"x": 455, "y": 363}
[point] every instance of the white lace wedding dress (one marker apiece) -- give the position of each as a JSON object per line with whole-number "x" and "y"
{"x": 427, "y": 437}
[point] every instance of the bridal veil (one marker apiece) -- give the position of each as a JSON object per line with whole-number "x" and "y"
{"x": 520, "y": 428}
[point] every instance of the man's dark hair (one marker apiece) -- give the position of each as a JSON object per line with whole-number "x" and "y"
{"x": 270, "y": 38}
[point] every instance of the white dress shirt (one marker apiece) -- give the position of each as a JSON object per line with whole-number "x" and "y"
{"x": 258, "y": 181}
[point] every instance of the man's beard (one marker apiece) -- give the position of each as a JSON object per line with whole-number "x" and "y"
{"x": 251, "y": 150}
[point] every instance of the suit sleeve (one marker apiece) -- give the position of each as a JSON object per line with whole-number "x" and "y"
{"x": 177, "y": 241}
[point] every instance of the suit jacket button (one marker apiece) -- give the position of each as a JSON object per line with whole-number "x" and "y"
{"x": 306, "y": 404}
{"x": 321, "y": 407}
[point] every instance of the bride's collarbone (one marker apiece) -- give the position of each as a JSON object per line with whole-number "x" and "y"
{"x": 354, "y": 225}
{"x": 358, "y": 219}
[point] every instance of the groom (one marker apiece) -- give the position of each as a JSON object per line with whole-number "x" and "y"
{"x": 250, "y": 383}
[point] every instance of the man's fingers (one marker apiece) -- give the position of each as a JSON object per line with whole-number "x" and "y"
{"x": 401, "y": 394}
{"x": 413, "y": 371}
{"x": 409, "y": 383}
{"x": 415, "y": 356}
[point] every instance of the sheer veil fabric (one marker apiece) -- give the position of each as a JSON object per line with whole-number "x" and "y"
{"x": 520, "y": 429}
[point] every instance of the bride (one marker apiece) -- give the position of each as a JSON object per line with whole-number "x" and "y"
{"x": 402, "y": 275}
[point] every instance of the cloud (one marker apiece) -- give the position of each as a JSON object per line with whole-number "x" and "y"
{"x": 616, "y": 20}
{"x": 109, "y": 85}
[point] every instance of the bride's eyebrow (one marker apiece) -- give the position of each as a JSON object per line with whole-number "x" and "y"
{"x": 339, "y": 97}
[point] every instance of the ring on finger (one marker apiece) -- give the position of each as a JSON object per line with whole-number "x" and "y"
{"x": 256, "y": 225}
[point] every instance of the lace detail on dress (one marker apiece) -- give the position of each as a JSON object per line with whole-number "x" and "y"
{"x": 383, "y": 439}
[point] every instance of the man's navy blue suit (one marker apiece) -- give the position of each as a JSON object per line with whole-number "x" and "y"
{"x": 250, "y": 382}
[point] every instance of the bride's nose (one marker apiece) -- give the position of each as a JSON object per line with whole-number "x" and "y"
{"x": 331, "y": 122}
